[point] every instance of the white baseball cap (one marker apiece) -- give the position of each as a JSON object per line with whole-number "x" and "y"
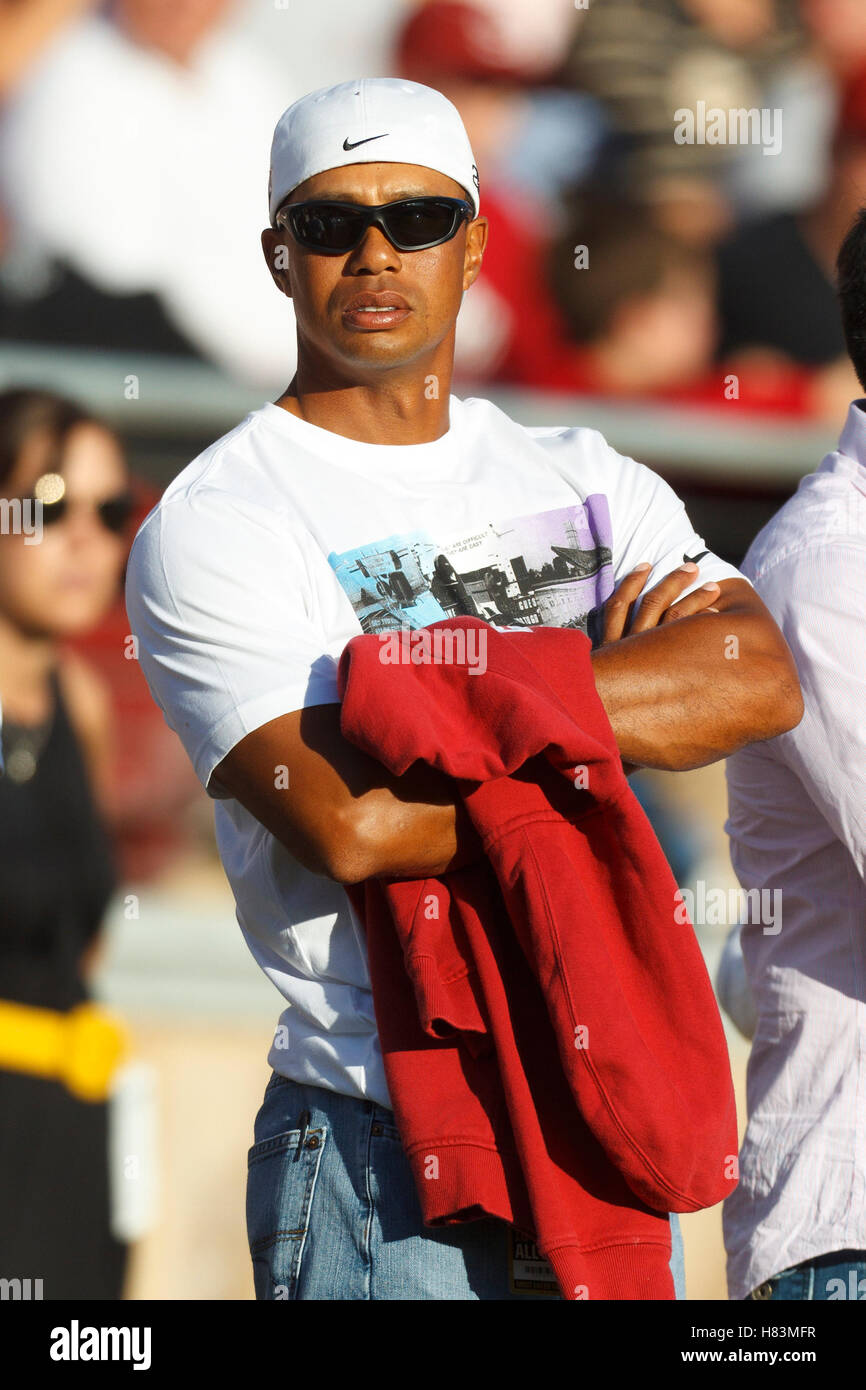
{"x": 364, "y": 121}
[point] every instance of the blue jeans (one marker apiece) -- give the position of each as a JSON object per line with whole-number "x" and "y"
{"x": 841, "y": 1274}
{"x": 332, "y": 1213}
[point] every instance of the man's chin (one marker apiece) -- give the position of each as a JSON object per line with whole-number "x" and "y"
{"x": 382, "y": 350}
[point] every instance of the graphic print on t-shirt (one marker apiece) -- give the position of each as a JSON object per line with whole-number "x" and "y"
{"x": 552, "y": 568}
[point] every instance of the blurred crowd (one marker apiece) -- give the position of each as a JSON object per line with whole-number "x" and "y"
{"x": 134, "y": 139}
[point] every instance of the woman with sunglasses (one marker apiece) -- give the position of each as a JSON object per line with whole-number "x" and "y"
{"x": 64, "y": 505}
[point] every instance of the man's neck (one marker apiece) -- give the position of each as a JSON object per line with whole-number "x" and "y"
{"x": 409, "y": 410}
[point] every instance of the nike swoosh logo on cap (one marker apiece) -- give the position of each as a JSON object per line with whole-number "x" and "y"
{"x": 353, "y": 144}
{"x": 695, "y": 558}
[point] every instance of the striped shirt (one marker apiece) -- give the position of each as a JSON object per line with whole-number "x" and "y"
{"x": 797, "y": 826}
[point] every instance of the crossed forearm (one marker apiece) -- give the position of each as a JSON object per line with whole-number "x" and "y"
{"x": 677, "y": 697}
{"x": 417, "y": 828}
{"x": 688, "y": 694}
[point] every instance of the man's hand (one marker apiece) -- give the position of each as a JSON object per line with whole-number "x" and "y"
{"x": 659, "y": 604}
{"x": 681, "y": 695}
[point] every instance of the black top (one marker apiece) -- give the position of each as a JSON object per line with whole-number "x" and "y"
{"x": 73, "y": 310}
{"x": 57, "y": 867}
{"x": 773, "y": 293}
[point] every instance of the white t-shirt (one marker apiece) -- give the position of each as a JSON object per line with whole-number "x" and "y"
{"x": 279, "y": 543}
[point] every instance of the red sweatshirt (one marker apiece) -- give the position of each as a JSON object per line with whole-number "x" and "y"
{"x": 550, "y": 1037}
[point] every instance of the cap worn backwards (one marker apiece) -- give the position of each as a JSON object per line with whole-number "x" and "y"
{"x": 365, "y": 121}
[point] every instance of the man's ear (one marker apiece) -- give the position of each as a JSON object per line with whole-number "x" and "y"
{"x": 276, "y": 254}
{"x": 476, "y": 240}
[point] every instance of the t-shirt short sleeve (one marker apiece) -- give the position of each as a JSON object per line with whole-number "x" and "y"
{"x": 648, "y": 520}
{"x": 218, "y": 599}
{"x": 652, "y": 524}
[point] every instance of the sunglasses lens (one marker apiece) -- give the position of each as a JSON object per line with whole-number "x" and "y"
{"x": 420, "y": 223}
{"x": 326, "y": 228}
{"x": 115, "y": 512}
{"x": 410, "y": 223}
{"x": 52, "y": 511}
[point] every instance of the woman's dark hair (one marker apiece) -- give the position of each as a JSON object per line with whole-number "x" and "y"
{"x": 628, "y": 257}
{"x": 24, "y": 410}
{"x": 851, "y": 289}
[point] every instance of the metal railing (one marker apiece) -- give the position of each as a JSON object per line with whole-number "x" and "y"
{"x": 151, "y": 399}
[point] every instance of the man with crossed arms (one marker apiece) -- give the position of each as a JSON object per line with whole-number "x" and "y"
{"x": 326, "y": 513}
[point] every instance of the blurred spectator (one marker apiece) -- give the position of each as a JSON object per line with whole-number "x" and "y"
{"x": 319, "y": 47}
{"x": 639, "y": 311}
{"x": 531, "y": 142}
{"x": 508, "y": 329}
{"x": 805, "y": 92}
{"x": 133, "y": 178}
{"x": 538, "y": 48}
{"x": 158, "y": 813}
{"x": 60, "y": 567}
{"x": 647, "y": 59}
{"x": 638, "y": 319}
{"x": 838, "y": 30}
{"x": 25, "y": 27}
{"x": 776, "y": 275}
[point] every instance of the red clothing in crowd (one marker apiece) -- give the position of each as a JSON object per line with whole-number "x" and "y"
{"x": 537, "y": 352}
{"x": 551, "y": 1041}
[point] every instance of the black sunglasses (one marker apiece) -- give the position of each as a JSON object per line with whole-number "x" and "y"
{"x": 410, "y": 224}
{"x": 114, "y": 512}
